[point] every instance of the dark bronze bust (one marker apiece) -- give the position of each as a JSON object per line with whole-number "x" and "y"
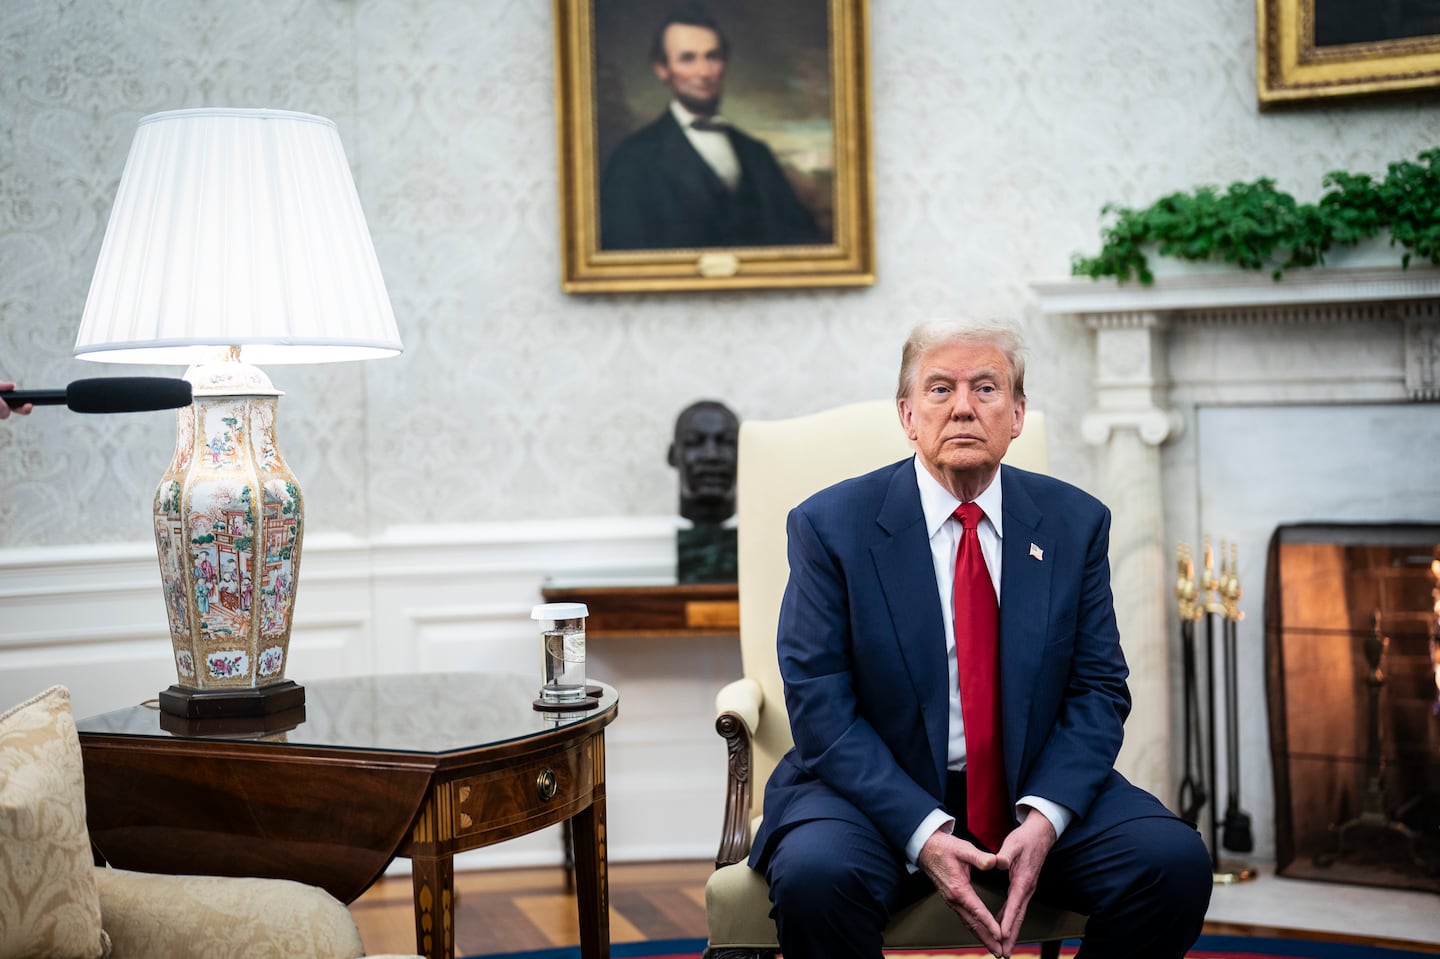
{"x": 705, "y": 451}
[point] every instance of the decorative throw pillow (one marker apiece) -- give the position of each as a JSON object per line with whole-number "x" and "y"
{"x": 49, "y": 904}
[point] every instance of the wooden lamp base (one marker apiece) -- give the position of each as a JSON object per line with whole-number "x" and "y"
{"x": 190, "y": 703}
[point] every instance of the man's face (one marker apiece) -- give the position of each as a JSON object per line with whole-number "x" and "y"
{"x": 694, "y": 67}
{"x": 961, "y": 415}
{"x": 705, "y": 452}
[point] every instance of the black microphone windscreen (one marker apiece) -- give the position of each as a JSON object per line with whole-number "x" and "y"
{"x": 127, "y": 394}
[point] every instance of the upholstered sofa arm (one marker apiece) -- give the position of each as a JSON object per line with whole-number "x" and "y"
{"x": 180, "y": 917}
{"x": 737, "y": 708}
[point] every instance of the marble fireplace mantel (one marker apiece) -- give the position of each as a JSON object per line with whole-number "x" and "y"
{"x": 1220, "y": 337}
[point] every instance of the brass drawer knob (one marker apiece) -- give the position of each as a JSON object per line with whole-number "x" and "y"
{"x": 545, "y": 785}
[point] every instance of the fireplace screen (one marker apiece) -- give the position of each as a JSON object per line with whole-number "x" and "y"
{"x": 1352, "y": 666}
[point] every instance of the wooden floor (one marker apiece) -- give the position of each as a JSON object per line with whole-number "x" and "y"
{"x": 513, "y": 910}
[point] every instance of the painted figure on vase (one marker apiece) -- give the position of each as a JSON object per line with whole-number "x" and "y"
{"x": 202, "y": 596}
{"x": 229, "y": 584}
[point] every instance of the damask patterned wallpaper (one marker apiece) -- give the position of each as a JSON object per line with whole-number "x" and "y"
{"x": 1001, "y": 129}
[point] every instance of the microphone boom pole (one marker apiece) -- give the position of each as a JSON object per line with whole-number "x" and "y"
{"x": 109, "y": 394}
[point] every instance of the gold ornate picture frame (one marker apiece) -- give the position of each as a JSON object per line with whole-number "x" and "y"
{"x": 796, "y": 82}
{"x": 1311, "y": 50}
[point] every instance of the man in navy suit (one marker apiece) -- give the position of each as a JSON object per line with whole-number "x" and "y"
{"x": 868, "y": 810}
{"x": 690, "y": 179}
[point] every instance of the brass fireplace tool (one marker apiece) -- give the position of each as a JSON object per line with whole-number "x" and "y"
{"x": 1193, "y": 795}
{"x": 1216, "y": 596}
{"x": 1236, "y": 834}
{"x": 1375, "y": 829}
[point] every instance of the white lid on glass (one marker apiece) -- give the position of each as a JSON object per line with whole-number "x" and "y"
{"x": 560, "y": 611}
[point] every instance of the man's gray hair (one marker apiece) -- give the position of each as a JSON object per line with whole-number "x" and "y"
{"x": 933, "y": 334}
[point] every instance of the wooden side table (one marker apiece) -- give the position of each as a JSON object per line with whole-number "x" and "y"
{"x": 420, "y": 766}
{"x": 652, "y": 609}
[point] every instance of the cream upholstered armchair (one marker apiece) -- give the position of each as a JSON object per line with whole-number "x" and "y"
{"x": 55, "y": 902}
{"x": 781, "y": 463}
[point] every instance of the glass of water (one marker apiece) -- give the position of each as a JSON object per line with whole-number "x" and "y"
{"x": 562, "y": 651}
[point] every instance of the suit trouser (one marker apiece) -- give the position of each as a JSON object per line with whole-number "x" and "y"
{"x": 1145, "y": 883}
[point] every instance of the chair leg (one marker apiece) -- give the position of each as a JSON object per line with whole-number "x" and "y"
{"x": 1050, "y": 949}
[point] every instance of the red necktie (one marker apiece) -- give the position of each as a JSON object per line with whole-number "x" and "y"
{"x": 977, "y": 654}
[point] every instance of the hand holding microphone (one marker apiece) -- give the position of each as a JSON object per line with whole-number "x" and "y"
{"x": 22, "y": 408}
{"x": 106, "y": 394}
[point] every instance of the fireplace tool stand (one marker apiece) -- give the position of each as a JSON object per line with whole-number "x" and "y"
{"x": 1221, "y": 598}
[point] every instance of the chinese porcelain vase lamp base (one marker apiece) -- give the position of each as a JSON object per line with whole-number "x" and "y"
{"x": 229, "y": 519}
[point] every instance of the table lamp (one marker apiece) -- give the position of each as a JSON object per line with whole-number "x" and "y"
{"x": 236, "y": 237}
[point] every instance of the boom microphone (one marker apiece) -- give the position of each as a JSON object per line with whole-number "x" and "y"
{"x": 110, "y": 394}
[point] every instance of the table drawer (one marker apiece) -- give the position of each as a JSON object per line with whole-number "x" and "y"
{"x": 535, "y": 791}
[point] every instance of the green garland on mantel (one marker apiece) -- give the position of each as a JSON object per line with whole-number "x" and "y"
{"x": 1254, "y": 226}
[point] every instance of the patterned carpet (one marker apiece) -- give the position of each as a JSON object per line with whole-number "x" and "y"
{"x": 1209, "y": 947}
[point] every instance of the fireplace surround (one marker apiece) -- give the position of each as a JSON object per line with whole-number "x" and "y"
{"x": 1230, "y": 404}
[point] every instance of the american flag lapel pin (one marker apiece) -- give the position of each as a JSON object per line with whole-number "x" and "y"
{"x": 1037, "y": 553}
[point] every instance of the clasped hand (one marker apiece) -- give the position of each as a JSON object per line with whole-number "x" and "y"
{"x": 948, "y": 861}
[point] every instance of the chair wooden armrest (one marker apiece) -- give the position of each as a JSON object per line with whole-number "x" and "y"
{"x": 737, "y": 708}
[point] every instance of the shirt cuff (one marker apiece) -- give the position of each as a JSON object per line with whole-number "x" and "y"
{"x": 938, "y": 819}
{"x": 1059, "y": 816}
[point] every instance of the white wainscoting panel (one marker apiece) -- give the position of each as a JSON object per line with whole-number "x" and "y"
{"x": 419, "y": 599}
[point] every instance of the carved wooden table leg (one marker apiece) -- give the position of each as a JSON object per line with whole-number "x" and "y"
{"x": 434, "y": 881}
{"x": 592, "y": 878}
{"x": 567, "y": 849}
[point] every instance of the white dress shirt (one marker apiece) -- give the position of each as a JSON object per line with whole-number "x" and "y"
{"x": 939, "y": 507}
{"x": 714, "y": 146}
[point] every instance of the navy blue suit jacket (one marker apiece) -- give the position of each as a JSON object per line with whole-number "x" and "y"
{"x": 862, "y": 652}
{"x": 658, "y": 193}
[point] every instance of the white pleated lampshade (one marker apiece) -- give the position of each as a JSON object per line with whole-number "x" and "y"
{"x": 237, "y": 228}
